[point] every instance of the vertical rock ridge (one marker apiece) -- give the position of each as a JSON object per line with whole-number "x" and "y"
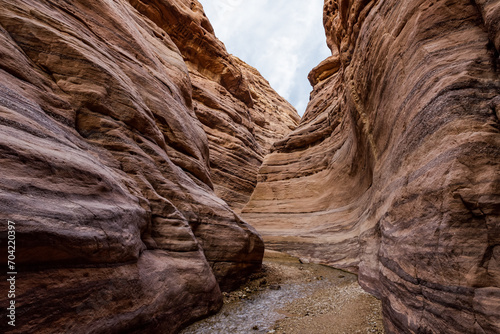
{"x": 404, "y": 188}
{"x": 239, "y": 111}
{"x": 110, "y": 142}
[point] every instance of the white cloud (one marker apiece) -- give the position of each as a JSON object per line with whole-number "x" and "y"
{"x": 283, "y": 39}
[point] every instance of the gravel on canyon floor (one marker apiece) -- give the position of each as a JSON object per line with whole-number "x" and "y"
{"x": 290, "y": 297}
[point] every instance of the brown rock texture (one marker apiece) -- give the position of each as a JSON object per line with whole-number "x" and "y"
{"x": 394, "y": 170}
{"x": 240, "y": 137}
{"x": 108, "y": 173}
{"x": 240, "y": 112}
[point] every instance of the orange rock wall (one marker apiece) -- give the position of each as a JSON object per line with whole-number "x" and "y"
{"x": 111, "y": 135}
{"x": 241, "y": 114}
{"x": 393, "y": 171}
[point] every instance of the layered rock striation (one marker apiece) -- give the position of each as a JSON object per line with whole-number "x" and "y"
{"x": 394, "y": 170}
{"x": 112, "y": 143}
{"x": 238, "y": 109}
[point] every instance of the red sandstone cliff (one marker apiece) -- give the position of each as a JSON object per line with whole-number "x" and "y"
{"x": 394, "y": 170}
{"x": 124, "y": 123}
{"x": 115, "y": 118}
{"x": 241, "y": 114}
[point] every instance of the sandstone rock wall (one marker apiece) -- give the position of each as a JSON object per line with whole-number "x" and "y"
{"x": 394, "y": 170}
{"x": 240, "y": 112}
{"x": 107, "y": 171}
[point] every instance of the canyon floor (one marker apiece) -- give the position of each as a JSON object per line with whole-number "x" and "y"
{"x": 291, "y": 297}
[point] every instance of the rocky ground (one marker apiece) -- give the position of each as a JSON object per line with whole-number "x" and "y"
{"x": 296, "y": 298}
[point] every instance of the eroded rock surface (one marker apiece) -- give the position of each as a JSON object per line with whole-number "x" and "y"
{"x": 107, "y": 171}
{"x": 240, "y": 113}
{"x": 394, "y": 171}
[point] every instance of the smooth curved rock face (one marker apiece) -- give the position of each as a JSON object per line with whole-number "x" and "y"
{"x": 106, "y": 169}
{"x": 239, "y": 136}
{"x": 394, "y": 170}
{"x": 241, "y": 114}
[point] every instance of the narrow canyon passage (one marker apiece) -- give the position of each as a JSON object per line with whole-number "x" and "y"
{"x": 144, "y": 170}
{"x": 292, "y": 297}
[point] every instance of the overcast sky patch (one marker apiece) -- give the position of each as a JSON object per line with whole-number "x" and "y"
{"x": 282, "y": 39}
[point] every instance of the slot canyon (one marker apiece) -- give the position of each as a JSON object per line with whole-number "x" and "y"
{"x": 145, "y": 168}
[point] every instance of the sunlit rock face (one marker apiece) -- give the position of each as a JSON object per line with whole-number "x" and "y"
{"x": 394, "y": 170}
{"x": 112, "y": 143}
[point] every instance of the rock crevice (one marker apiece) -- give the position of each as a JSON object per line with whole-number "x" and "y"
{"x": 130, "y": 142}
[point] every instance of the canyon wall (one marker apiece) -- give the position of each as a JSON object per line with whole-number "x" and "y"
{"x": 394, "y": 170}
{"x": 239, "y": 111}
{"x": 118, "y": 120}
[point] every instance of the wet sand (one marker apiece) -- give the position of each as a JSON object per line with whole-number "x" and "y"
{"x": 295, "y": 298}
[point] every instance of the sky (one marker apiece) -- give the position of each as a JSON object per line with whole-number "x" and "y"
{"x": 282, "y": 39}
